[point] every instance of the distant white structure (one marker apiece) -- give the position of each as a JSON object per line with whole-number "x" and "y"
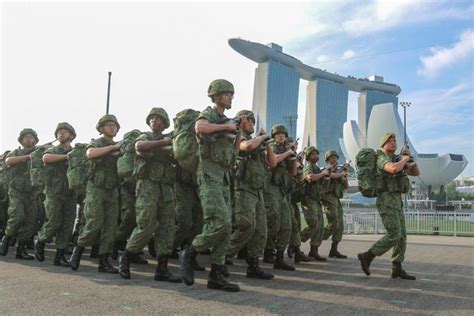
{"x": 436, "y": 170}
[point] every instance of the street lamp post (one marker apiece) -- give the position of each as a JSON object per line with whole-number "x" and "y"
{"x": 291, "y": 119}
{"x": 405, "y": 105}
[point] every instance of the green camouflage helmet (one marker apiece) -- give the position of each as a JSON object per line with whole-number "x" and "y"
{"x": 107, "y": 118}
{"x": 247, "y": 113}
{"x": 65, "y": 125}
{"x": 26, "y": 131}
{"x": 218, "y": 86}
{"x": 161, "y": 113}
{"x": 329, "y": 154}
{"x": 309, "y": 150}
{"x": 385, "y": 138}
{"x": 279, "y": 129}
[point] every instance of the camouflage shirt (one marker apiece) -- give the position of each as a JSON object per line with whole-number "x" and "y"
{"x": 103, "y": 170}
{"x": 251, "y": 168}
{"x": 56, "y": 172}
{"x": 19, "y": 175}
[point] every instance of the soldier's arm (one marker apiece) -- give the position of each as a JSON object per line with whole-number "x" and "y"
{"x": 204, "y": 127}
{"x": 50, "y": 158}
{"x": 149, "y": 145}
{"x": 280, "y": 157}
{"x": 396, "y": 167}
{"x": 313, "y": 177}
{"x": 293, "y": 168}
{"x": 15, "y": 160}
{"x": 413, "y": 171}
{"x": 238, "y": 141}
{"x": 271, "y": 157}
{"x": 252, "y": 144}
{"x": 93, "y": 152}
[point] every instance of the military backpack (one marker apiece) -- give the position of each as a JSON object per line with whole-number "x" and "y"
{"x": 77, "y": 168}
{"x": 126, "y": 160}
{"x": 38, "y": 172}
{"x": 185, "y": 144}
{"x": 367, "y": 174}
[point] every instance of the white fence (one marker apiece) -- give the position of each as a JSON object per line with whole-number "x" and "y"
{"x": 417, "y": 222}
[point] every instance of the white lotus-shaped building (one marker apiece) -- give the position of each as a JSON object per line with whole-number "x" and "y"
{"x": 436, "y": 170}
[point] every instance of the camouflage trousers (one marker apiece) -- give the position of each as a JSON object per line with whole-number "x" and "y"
{"x": 22, "y": 215}
{"x": 278, "y": 218}
{"x": 189, "y": 217}
{"x": 313, "y": 215}
{"x": 155, "y": 218}
{"x": 60, "y": 215}
{"x": 214, "y": 192}
{"x": 101, "y": 218}
{"x": 250, "y": 223}
{"x": 128, "y": 214}
{"x": 335, "y": 217}
{"x": 295, "y": 238}
{"x": 3, "y": 211}
{"x": 390, "y": 207}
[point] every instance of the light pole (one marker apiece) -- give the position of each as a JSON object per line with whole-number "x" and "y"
{"x": 290, "y": 119}
{"x": 405, "y": 105}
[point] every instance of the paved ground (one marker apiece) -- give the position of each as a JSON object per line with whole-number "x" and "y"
{"x": 444, "y": 267}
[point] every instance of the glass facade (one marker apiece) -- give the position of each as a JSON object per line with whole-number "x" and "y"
{"x": 372, "y": 98}
{"x": 281, "y": 90}
{"x": 331, "y": 113}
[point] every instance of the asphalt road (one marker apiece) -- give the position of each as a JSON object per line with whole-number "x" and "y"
{"x": 444, "y": 267}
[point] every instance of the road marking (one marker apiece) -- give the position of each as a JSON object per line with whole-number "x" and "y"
{"x": 398, "y": 302}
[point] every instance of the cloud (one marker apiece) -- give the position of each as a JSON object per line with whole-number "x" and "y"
{"x": 348, "y": 54}
{"x": 381, "y": 15}
{"x": 442, "y": 58}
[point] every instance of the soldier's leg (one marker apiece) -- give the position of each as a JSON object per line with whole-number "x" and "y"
{"x": 272, "y": 207}
{"x": 257, "y": 242}
{"x": 128, "y": 216}
{"x": 244, "y": 225}
{"x": 310, "y": 212}
{"x": 65, "y": 231}
{"x": 165, "y": 233}
{"x": 398, "y": 251}
{"x": 284, "y": 234}
{"x": 16, "y": 216}
{"x": 391, "y": 221}
{"x": 197, "y": 215}
{"x": 339, "y": 231}
{"x": 184, "y": 217}
{"x": 295, "y": 239}
{"x": 54, "y": 218}
{"x": 330, "y": 209}
{"x": 215, "y": 235}
{"x": 29, "y": 225}
{"x": 146, "y": 209}
{"x": 93, "y": 216}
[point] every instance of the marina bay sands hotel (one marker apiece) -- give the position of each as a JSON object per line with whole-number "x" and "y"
{"x": 275, "y": 98}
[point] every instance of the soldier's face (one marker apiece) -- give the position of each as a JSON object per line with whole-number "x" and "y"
{"x": 314, "y": 157}
{"x": 28, "y": 141}
{"x": 224, "y": 99}
{"x": 391, "y": 145}
{"x": 63, "y": 135}
{"x": 109, "y": 129}
{"x": 279, "y": 138}
{"x": 156, "y": 123}
{"x": 248, "y": 126}
{"x": 332, "y": 160}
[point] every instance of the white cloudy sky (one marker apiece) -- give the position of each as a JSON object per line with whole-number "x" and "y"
{"x": 55, "y": 59}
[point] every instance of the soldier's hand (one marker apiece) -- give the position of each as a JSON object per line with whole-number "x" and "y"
{"x": 406, "y": 151}
{"x": 262, "y": 132}
{"x": 168, "y": 140}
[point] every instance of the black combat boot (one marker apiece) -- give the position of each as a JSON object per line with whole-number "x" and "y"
{"x": 60, "y": 259}
{"x": 30, "y": 243}
{"x": 255, "y": 272}
{"x": 151, "y": 248}
{"x": 268, "y": 256}
{"x": 118, "y": 245}
{"x": 5, "y": 245}
{"x": 217, "y": 282}
{"x": 313, "y": 253}
{"x": 75, "y": 258}
{"x": 94, "y": 251}
{"x": 280, "y": 263}
{"x": 187, "y": 264}
{"x": 333, "y": 253}
{"x": 365, "y": 259}
{"x": 398, "y": 272}
{"x": 21, "y": 251}
{"x": 105, "y": 266}
{"x": 300, "y": 256}
{"x": 162, "y": 273}
{"x": 124, "y": 265}
{"x": 291, "y": 251}
{"x": 39, "y": 250}
{"x": 197, "y": 266}
{"x": 225, "y": 272}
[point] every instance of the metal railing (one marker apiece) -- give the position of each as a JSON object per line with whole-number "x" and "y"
{"x": 417, "y": 222}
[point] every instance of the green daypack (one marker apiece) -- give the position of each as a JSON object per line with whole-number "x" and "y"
{"x": 38, "y": 172}
{"x": 126, "y": 160}
{"x": 77, "y": 168}
{"x": 367, "y": 174}
{"x": 185, "y": 144}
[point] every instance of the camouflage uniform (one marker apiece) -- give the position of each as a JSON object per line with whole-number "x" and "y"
{"x": 155, "y": 201}
{"x": 22, "y": 211}
{"x": 250, "y": 224}
{"x": 60, "y": 203}
{"x": 312, "y": 210}
{"x": 390, "y": 207}
{"x": 333, "y": 209}
{"x": 101, "y": 202}
{"x": 128, "y": 220}
{"x": 189, "y": 217}
{"x": 213, "y": 177}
